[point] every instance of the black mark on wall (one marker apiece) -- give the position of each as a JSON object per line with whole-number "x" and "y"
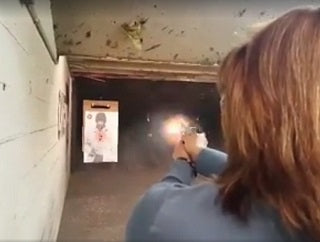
{"x": 262, "y": 13}
{"x": 164, "y": 28}
{"x": 108, "y": 42}
{"x": 153, "y": 47}
{"x": 4, "y": 86}
{"x": 242, "y": 12}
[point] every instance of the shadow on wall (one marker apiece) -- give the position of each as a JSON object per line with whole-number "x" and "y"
{"x": 144, "y": 105}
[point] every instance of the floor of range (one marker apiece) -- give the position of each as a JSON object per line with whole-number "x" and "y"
{"x": 100, "y": 200}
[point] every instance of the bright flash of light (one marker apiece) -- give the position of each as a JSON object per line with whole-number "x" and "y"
{"x": 173, "y": 127}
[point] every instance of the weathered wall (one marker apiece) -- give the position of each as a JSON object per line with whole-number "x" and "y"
{"x": 181, "y": 31}
{"x": 44, "y": 15}
{"x": 33, "y": 165}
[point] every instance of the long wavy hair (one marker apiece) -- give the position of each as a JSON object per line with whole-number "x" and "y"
{"x": 270, "y": 89}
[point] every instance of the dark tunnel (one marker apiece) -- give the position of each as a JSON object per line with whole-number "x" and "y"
{"x": 143, "y": 106}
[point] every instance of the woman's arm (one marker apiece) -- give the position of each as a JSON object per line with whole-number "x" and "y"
{"x": 180, "y": 173}
{"x": 211, "y": 161}
{"x": 208, "y": 162}
{"x": 139, "y": 227}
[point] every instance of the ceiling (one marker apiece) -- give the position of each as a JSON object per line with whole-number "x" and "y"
{"x": 186, "y": 31}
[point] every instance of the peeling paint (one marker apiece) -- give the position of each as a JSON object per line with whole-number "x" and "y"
{"x": 153, "y": 47}
{"x": 143, "y": 21}
{"x": 134, "y": 31}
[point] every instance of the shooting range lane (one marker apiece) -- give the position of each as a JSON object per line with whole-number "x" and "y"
{"x": 101, "y": 196}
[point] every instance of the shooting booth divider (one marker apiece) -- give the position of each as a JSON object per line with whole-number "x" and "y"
{"x": 100, "y": 131}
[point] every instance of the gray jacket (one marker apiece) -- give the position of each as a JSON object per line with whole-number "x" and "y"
{"x": 175, "y": 210}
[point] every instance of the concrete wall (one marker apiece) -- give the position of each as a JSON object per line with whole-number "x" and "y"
{"x": 192, "y": 31}
{"x": 42, "y": 9}
{"x": 33, "y": 165}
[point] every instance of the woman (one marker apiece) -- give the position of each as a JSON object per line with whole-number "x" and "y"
{"x": 270, "y": 188}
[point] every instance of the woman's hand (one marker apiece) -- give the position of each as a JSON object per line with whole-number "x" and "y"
{"x": 193, "y": 144}
{"x": 180, "y": 152}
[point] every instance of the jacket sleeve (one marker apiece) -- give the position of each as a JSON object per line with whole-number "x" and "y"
{"x": 211, "y": 161}
{"x": 180, "y": 173}
{"x": 140, "y": 226}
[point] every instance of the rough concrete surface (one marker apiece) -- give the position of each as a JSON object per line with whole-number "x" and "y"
{"x": 100, "y": 200}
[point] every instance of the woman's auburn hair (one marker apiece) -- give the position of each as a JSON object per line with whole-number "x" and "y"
{"x": 270, "y": 89}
